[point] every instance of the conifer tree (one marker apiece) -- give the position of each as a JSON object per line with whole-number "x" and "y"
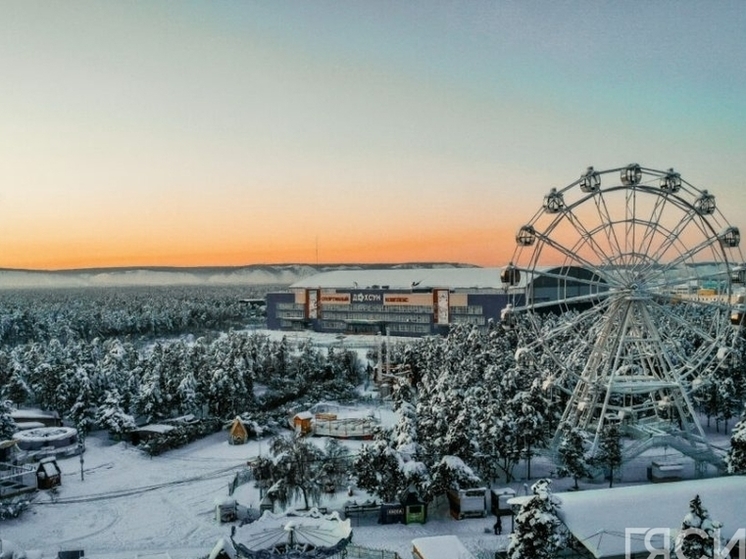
{"x": 537, "y": 533}
{"x": 736, "y": 458}
{"x": 112, "y": 417}
{"x": 571, "y": 455}
{"x": 7, "y": 425}
{"x": 698, "y": 536}
{"x": 609, "y": 452}
{"x": 378, "y": 469}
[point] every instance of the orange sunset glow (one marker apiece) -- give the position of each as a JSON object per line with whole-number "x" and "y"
{"x": 150, "y": 134}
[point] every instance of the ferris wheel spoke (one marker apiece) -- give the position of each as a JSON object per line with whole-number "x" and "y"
{"x": 572, "y": 323}
{"x": 673, "y": 236}
{"x": 610, "y": 232}
{"x": 688, "y": 326}
{"x": 630, "y": 229}
{"x": 573, "y": 257}
{"x": 652, "y": 230}
{"x": 566, "y": 301}
{"x": 666, "y": 285}
{"x": 594, "y": 281}
{"x": 688, "y": 256}
{"x": 585, "y": 237}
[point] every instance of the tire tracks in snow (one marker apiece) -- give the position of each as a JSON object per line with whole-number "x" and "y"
{"x": 215, "y": 474}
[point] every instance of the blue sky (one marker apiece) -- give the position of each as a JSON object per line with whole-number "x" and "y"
{"x": 208, "y": 133}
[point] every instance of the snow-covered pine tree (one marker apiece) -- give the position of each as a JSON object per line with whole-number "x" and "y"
{"x": 112, "y": 417}
{"x": 7, "y": 425}
{"x": 529, "y": 408}
{"x": 736, "y": 458}
{"x": 405, "y": 431}
{"x": 571, "y": 455}
{"x": 186, "y": 395}
{"x": 538, "y": 531}
{"x": 84, "y": 410}
{"x": 698, "y": 537}
{"x": 377, "y": 468}
{"x": 151, "y": 401}
{"x": 296, "y": 472}
{"x": 451, "y": 473}
{"x": 609, "y": 452}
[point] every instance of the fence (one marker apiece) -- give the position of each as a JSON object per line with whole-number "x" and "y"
{"x": 357, "y": 552}
{"x": 16, "y": 479}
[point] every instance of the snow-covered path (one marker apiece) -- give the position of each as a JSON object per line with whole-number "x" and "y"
{"x": 128, "y": 501}
{"x": 129, "y": 504}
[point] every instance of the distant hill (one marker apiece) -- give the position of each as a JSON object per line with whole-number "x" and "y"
{"x": 256, "y": 274}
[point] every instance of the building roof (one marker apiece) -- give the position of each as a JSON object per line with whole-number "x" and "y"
{"x": 598, "y": 518}
{"x": 446, "y": 547}
{"x": 423, "y": 278}
{"x": 405, "y": 278}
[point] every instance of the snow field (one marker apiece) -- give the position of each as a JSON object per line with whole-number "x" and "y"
{"x": 129, "y": 504}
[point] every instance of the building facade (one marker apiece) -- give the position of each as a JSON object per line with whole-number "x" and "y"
{"x": 399, "y": 302}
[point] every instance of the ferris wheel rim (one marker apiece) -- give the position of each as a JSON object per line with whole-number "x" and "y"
{"x": 644, "y": 278}
{"x": 603, "y": 268}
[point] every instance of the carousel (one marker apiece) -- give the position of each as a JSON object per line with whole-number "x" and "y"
{"x": 291, "y": 535}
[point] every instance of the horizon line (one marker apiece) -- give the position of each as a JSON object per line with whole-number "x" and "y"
{"x": 234, "y": 267}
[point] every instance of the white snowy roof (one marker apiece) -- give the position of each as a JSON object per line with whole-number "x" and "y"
{"x": 407, "y": 278}
{"x": 312, "y": 528}
{"x": 415, "y": 278}
{"x": 441, "y": 547}
{"x": 33, "y": 413}
{"x": 598, "y": 518}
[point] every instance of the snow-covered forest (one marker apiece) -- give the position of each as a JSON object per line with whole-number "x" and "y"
{"x": 105, "y": 358}
{"x": 474, "y": 405}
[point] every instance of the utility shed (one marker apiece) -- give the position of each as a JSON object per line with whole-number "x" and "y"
{"x": 48, "y": 473}
{"x": 238, "y": 433}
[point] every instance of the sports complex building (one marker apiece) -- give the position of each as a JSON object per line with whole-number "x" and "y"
{"x": 400, "y": 302}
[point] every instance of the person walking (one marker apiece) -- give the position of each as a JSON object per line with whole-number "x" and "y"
{"x": 498, "y": 527}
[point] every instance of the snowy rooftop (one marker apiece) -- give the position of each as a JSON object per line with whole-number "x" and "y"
{"x": 598, "y": 518}
{"x": 445, "y": 547}
{"x": 314, "y": 529}
{"x": 415, "y": 278}
{"x": 420, "y": 278}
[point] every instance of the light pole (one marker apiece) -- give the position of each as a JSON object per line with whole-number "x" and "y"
{"x": 81, "y": 450}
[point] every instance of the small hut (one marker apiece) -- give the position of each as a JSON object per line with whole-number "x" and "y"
{"x": 238, "y": 433}
{"x": 226, "y": 509}
{"x": 303, "y": 423}
{"x": 48, "y": 473}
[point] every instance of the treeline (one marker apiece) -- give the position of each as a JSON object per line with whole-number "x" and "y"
{"x": 109, "y": 383}
{"x": 112, "y": 358}
{"x": 38, "y": 315}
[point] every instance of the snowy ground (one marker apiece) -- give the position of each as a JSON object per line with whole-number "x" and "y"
{"x": 129, "y": 504}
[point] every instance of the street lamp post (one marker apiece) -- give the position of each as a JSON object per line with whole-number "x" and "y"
{"x": 81, "y": 449}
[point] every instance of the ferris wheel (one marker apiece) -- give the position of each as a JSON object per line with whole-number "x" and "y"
{"x": 626, "y": 285}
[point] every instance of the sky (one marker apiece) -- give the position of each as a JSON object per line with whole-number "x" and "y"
{"x": 180, "y": 133}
